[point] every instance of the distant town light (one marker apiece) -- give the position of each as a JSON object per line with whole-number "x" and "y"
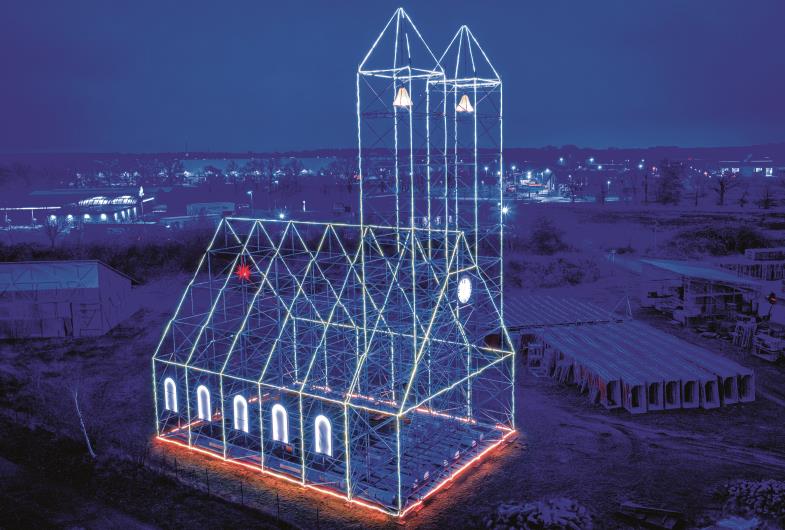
{"x": 281, "y": 215}
{"x": 103, "y": 217}
{"x": 505, "y": 210}
{"x": 640, "y": 166}
{"x": 87, "y": 216}
{"x": 599, "y": 167}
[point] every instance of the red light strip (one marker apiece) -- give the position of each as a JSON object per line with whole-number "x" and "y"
{"x": 334, "y": 493}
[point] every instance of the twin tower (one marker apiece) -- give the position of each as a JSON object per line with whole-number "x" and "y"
{"x": 430, "y": 141}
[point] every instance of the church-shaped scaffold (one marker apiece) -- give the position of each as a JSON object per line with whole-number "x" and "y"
{"x": 369, "y": 361}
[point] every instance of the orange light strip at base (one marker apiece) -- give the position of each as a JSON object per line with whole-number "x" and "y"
{"x": 458, "y": 472}
{"x": 278, "y": 475}
{"x": 335, "y": 494}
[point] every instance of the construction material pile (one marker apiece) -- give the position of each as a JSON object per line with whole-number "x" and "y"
{"x": 552, "y": 514}
{"x": 631, "y": 365}
{"x": 637, "y": 367}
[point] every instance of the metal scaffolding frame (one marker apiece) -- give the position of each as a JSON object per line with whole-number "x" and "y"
{"x": 368, "y": 361}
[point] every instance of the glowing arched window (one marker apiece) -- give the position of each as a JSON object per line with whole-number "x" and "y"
{"x": 170, "y": 394}
{"x": 324, "y": 435}
{"x": 203, "y": 402}
{"x": 240, "y": 413}
{"x": 280, "y": 424}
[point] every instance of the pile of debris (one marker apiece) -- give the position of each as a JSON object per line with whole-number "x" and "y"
{"x": 551, "y": 514}
{"x": 765, "y": 498}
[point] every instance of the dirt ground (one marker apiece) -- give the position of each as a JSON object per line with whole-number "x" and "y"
{"x": 565, "y": 447}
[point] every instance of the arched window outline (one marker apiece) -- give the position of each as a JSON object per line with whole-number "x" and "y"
{"x": 170, "y": 394}
{"x": 324, "y": 444}
{"x": 203, "y": 403}
{"x": 240, "y": 413}
{"x": 280, "y": 424}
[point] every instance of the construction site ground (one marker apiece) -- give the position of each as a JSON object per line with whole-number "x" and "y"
{"x": 566, "y": 447}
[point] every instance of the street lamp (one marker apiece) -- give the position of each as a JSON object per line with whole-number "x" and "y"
{"x": 250, "y": 194}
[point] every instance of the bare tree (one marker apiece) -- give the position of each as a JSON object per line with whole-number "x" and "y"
{"x": 744, "y": 198}
{"x": 254, "y": 169}
{"x": 602, "y": 191}
{"x": 574, "y": 187}
{"x": 669, "y": 184}
{"x": 722, "y": 184}
{"x": 176, "y": 168}
{"x": 53, "y": 227}
{"x": 696, "y": 187}
{"x": 343, "y": 170}
{"x": 767, "y": 199}
{"x": 273, "y": 166}
{"x": 233, "y": 171}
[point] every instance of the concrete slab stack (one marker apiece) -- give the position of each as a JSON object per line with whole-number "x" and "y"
{"x": 632, "y": 365}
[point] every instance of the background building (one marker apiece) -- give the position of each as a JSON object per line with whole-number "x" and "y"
{"x": 61, "y": 299}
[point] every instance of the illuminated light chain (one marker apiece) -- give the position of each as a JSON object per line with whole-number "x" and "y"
{"x": 424, "y": 329}
{"x": 337, "y": 494}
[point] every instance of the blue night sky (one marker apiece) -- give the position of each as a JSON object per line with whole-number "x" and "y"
{"x": 257, "y": 75}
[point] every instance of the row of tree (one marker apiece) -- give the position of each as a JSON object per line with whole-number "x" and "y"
{"x": 674, "y": 184}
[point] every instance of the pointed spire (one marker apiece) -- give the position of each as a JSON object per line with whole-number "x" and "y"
{"x": 464, "y": 58}
{"x": 400, "y": 45}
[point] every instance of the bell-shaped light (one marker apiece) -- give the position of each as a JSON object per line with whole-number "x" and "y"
{"x": 464, "y": 105}
{"x": 402, "y": 98}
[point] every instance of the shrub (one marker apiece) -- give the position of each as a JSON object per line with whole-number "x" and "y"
{"x": 141, "y": 261}
{"x": 717, "y": 240}
{"x": 546, "y": 238}
{"x": 550, "y": 272}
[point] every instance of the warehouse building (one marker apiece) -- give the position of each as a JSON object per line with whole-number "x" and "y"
{"x": 61, "y": 299}
{"x": 695, "y": 293}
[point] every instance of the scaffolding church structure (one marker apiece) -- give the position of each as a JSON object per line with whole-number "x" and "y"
{"x": 369, "y": 361}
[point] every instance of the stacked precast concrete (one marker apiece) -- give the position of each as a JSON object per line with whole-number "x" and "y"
{"x": 631, "y": 365}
